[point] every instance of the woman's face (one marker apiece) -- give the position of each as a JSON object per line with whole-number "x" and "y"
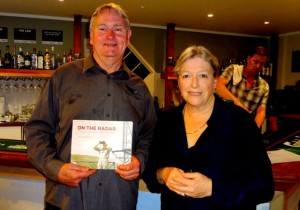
{"x": 196, "y": 82}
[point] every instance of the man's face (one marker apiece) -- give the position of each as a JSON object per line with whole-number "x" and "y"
{"x": 256, "y": 63}
{"x": 109, "y": 36}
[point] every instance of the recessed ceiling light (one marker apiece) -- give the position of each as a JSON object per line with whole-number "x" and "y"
{"x": 266, "y": 22}
{"x": 210, "y": 15}
{"x": 142, "y": 6}
{"x": 61, "y": 0}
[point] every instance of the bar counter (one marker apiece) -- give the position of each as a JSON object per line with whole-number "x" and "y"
{"x": 286, "y": 175}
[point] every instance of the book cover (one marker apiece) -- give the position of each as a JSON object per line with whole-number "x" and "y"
{"x": 101, "y": 144}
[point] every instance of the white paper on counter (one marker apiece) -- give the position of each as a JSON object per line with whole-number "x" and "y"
{"x": 282, "y": 156}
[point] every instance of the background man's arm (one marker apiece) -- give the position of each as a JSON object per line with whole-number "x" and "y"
{"x": 260, "y": 115}
{"x": 224, "y": 93}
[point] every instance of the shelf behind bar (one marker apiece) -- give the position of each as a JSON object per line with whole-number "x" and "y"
{"x": 25, "y": 73}
{"x": 11, "y": 124}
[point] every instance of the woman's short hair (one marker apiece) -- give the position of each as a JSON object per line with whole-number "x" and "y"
{"x": 201, "y": 52}
{"x": 111, "y": 6}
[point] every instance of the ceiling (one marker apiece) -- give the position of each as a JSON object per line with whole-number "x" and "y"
{"x": 230, "y": 16}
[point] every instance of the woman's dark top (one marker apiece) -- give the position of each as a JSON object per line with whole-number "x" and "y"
{"x": 230, "y": 152}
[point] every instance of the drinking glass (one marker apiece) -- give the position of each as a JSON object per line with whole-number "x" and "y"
{"x": 15, "y": 85}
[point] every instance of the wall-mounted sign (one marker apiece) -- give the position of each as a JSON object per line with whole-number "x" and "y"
{"x": 3, "y": 34}
{"x": 25, "y": 35}
{"x": 52, "y": 37}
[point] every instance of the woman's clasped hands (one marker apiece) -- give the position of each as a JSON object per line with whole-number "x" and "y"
{"x": 190, "y": 184}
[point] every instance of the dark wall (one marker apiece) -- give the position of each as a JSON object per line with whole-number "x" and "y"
{"x": 221, "y": 45}
{"x": 150, "y": 42}
{"x": 39, "y": 25}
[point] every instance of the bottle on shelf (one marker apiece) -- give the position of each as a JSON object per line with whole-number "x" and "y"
{"x": 40, "y": 60}
{"x": 47, "y": 60}
{"x": 1, "y": 60}
{"x": 14, "y": 58}
{"x": 20, "y": 59}
{"x": 52, "y": 59}
{"x": 7, "y": 58}
{"x": 64, "y": 57}
{"x": 268, "y": 68}
{"x": 58, "y": 61}
{"x": 34, "y": 60}
{"x": 76, "y": 56}
{"x": 70, "y": 56}
{"x": 27, "y": 61}
{"x": 266, "y": 71}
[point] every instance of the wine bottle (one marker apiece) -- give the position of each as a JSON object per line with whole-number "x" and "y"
{"x": 52, "y": 59}
{"x": 58, "y": 61}
{"x": 47, "y": 60}
{"x": 1, "y": 60}
{"x": 20, "y": 58}
{"x": 70, "y": 56}
{"x": 14, "y": 63}
{"x": 64, "y": 58}
{"x": 40, "y": 60}
{"x": 27, "y": 61}
{"x": 34, "y": 60}
{"x": 7, "y": 58}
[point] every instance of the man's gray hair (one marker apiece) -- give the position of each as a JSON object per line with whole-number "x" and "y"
{"x": 111, "y": 6}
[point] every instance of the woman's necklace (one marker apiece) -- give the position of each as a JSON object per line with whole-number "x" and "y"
{"x": 198, "y": 129}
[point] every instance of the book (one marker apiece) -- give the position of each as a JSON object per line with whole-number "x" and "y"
{"x": 100, "y": 144}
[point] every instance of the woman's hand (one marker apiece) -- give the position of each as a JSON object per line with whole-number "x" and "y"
{"x": 195, "y": 185}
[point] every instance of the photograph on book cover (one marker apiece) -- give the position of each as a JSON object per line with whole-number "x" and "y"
{"x": 101, "y": 144}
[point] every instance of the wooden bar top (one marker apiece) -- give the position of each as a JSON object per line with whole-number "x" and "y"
{"x": 14, "y": 159}
{"x": 11, "y": 124}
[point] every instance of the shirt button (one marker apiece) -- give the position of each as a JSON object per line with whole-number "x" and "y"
{"x": 107, "y": 115}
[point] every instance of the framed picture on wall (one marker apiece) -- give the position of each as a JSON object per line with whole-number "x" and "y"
{"x": 296, "y": 61}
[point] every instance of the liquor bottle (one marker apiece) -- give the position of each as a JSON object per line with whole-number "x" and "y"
{"x": 47, "y": 60}
{"x": 70, "y": 56}
{"x": 268, "y": 70}
{"x": 40, "y": 60}
{"x": 20, "y": 58}
{"x": 58, "y": 61}
{"x": 27, "y": 61}
{"x": 52, "y": 59}
{"x": 1, "y": 60}
{"x": 64, "y": 58}
{"x": 34, "y": 59}
{"x": 7, "y": 58}
{"x": 76, "y": 56}
{"x": 14, "y": 63}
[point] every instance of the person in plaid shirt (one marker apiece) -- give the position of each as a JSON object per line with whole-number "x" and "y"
{"x": 244, "y": 86}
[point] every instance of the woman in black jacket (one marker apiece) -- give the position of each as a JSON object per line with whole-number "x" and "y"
{"x": 207, "y": 153}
